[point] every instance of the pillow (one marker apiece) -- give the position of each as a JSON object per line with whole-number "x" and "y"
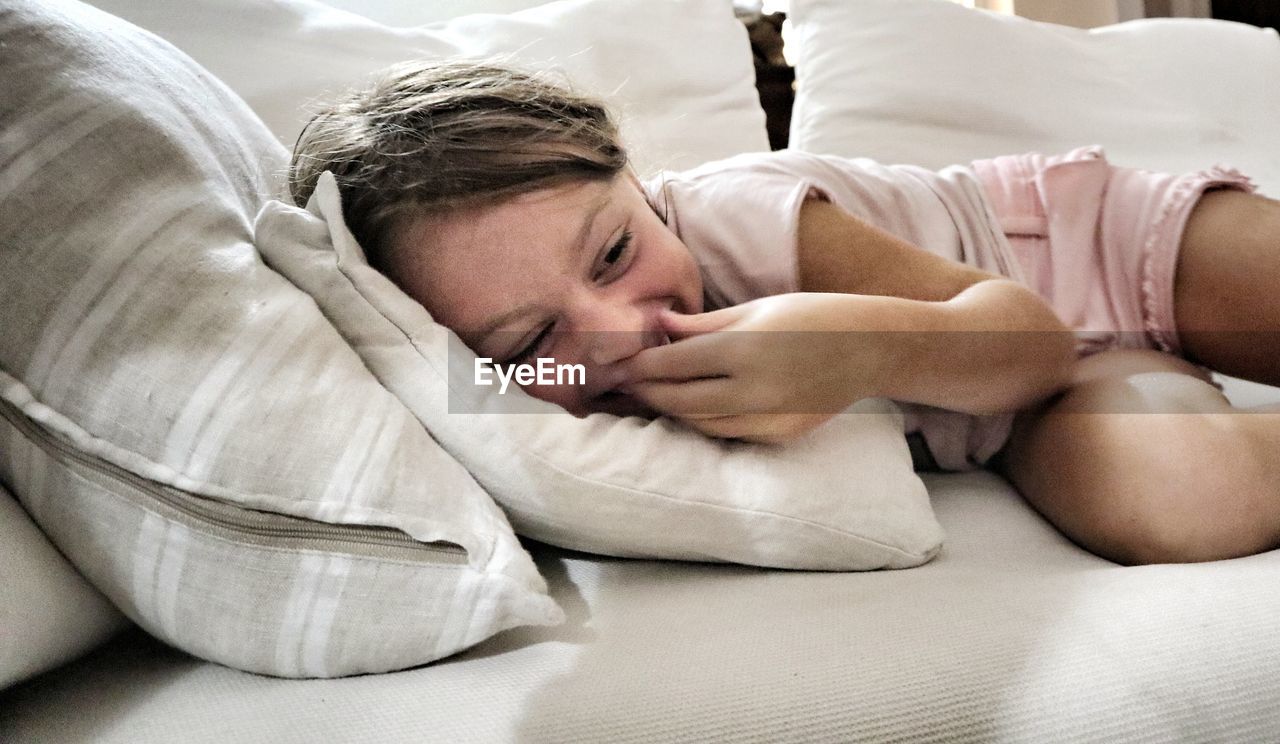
{"x": 48, "y": 613}
{"x": 678, "y": 72}
{"x": 401, "y": 13}
{"x": 182, "y": 422}
{"x": 843, "y": 498}
{"x": 932, "y": 83}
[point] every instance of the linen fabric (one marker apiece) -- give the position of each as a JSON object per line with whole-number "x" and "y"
{"x": 182, "y": 422}
{"x": 48, "y": 613}
{"x": 684, "y": 100}
{"x": 844, "y": 497}
{"x": 1012, "y": 635}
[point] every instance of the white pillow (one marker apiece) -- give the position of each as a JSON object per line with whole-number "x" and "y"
{"x": 843, "y": 498}
{"x": 679, "y": 72}
{"x": 183, "y": 423}
{"x": 48, "y": 613}
{"x": 421, "y": 12}
{"x": 933, "y": 83}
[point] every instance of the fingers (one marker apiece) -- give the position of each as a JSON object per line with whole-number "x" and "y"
{"x": 715, "y": 407}
{"x": 687, "y": 359}
{"x": 696, "y": 350}
{"x": 703, "y": 398}
{"x": 680, "y": 326}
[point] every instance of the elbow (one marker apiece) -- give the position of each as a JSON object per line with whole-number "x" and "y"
{"x": 1055, "y": 355}
{"x": 1054, "y": 365}
{"x": 1038, "y": 356}
{"x": 1041, "y": 371}
{"x": 1047, "y": 365}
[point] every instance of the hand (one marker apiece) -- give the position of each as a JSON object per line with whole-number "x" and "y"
{"x": 793, "y": 362}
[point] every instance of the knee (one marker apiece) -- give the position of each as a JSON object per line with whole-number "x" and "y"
{"x": 1151, "y": 467}
{"x": 1198, "y": 489}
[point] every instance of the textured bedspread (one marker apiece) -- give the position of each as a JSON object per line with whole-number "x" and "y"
{"x": 1011, "y": 634}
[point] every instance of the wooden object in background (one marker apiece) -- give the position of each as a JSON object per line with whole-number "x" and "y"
{"x": 1256, "y": 12}
{"x": 775, "y": 79}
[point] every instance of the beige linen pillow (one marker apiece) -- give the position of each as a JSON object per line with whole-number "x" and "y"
{"x": 679, "y": 73}
{"x": 182, "y": 422}
{"x": 843, "y": 498}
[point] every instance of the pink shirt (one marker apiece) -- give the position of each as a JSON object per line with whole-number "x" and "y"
{"x": 740, "y": 219}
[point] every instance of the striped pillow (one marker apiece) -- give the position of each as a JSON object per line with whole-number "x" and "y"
{"x": 185, "y": 424}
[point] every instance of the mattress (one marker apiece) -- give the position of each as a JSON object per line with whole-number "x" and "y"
{"x": 1011, "y": 634}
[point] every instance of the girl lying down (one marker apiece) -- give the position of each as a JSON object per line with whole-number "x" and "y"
{"x": 1018, "y": 295}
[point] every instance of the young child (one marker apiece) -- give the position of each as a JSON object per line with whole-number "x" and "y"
{"x": 996, "y": 301}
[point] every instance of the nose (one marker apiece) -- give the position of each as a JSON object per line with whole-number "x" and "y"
{"x": 614, "y": 328}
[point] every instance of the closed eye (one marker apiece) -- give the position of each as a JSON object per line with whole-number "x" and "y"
{"x": 532, "y": 348}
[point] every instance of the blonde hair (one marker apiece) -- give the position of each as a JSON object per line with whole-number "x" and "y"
{"x": 432, "y": 136}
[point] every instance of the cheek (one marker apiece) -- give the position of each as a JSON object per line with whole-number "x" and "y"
{"x": 570, "y": 395}
{"x": 669, "y": 268}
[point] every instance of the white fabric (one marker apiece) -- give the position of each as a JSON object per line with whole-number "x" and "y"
{"x": 1011, "y": 635}
{"x": 932, "y": 83}
{"x": 421, "y": 12}
{"x": 842, "y": 498}
{"x": 48, "y": 613}
{"x": 678, "y": 72}
{"x": 156, "y": 379}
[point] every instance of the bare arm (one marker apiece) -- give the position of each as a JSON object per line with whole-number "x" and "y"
{"x": 966, "y": 340}
{"x": 992, "y": 348}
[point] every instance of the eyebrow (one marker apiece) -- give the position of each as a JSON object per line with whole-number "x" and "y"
{"x": 588, "y": 222}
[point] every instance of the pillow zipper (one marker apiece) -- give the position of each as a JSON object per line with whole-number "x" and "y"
{"x": 238, "y": 523}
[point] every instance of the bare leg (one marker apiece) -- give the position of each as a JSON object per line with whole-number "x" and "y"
{"x": 1227, "y": 286}
{"x": 1142, "y": 461}
{"x": 1227, "y": 295}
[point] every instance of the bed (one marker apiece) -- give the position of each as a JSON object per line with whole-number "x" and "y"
{"x": 1009, "y": 633}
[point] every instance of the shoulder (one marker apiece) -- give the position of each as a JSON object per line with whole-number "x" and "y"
{"x": 772, "y": 185}
{"x": 752, "y": 186}
{"x": 742, "y": 169}
{"x": 739, "y": 218}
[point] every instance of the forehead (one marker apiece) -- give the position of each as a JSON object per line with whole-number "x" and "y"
{"x": 468, "y": 264}
{"x": 546, "y": 214}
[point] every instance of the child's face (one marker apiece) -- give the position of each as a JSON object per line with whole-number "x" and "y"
{"x": 577, "y": 273}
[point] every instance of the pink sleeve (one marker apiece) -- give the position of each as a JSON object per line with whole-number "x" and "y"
{"x": 740, "y": 220}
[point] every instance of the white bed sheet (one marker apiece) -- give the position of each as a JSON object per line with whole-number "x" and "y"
{"x": 1011, "y": 634}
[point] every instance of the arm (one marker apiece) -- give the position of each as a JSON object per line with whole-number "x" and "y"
{"x": 992, "y": 348}
{"x": 983, "y": 343}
